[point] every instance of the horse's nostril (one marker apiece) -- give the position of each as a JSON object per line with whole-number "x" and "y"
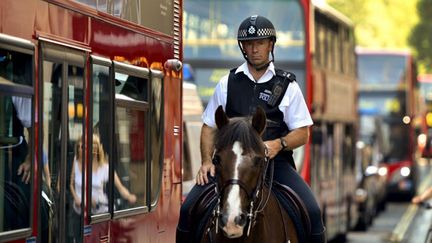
{"x": 223, "y": 220}
{"x": 240, "y": 220}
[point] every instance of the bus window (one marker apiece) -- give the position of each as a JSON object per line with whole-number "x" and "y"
{"x": 62, "y": 117}
{"x": 156, "y": 138}
{"x": 102, "y": 135}
{"x": 75, "y": 159}
{"x": 131, "y": 118}
{"x": 16, "y": 146}
{"x": 51, "y": 126}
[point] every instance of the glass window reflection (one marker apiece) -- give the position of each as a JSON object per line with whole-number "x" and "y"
{"x": 16, "y": 122}
{"x": 101, "y": 149}
{"x": 130, "y": 167}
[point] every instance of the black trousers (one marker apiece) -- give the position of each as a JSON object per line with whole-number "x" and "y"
{"x": 285, "y": 174}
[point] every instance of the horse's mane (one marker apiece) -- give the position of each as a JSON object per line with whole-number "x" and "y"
{"x": 239, "y": 129}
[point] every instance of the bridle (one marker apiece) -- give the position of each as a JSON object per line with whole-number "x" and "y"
{"x": 253, "y": 195}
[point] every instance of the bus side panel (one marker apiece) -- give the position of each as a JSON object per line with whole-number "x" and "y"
{"x": 40, "y": 18}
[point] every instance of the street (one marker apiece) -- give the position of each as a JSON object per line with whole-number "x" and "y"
{"x": 401, "y": 221}
{"x": 383, "y": 225}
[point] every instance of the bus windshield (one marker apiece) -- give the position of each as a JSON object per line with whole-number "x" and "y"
{"x": 426, "y": 90}
{"x": 210, "y": 27}
{"x": 389, "y": 107}
{"x": 378, "y": 70}
{"x": 383, "y": 103}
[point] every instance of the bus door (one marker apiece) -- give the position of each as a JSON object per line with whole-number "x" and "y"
{"x": 62, "y": 82}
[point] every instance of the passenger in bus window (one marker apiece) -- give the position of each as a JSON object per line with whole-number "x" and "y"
{"x": 23, "y": 110}
{"x": 23, "y": 106}
{"x": 16, "y": 192}
{"x": 100, "y": 176}
{"x": 258, "y": 83}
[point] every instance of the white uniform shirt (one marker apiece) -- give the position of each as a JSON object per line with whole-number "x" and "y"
{"x": 293, "y": 105}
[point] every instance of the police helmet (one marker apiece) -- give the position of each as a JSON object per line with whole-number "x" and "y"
{"x": 256, "y": 27}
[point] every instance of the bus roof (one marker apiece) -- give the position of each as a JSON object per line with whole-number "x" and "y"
{"x": 425, "y": 78}
{"x": 382, "y": 51}
{"x": 326, "y": 9}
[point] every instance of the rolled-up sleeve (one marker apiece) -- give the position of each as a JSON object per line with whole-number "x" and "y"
{"x": 219, "y": 98}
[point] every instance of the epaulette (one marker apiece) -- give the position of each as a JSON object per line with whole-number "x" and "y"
{"x": 280, "y": 86}
{"x": 286, "y": 75}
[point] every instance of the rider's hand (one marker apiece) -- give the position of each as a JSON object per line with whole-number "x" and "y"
{"x": 273, "y": 147}
{"x": 24, "y": 169}
{"x": 202, "y": 177}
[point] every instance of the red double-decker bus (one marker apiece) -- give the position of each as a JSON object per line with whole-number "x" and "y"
{"x": 389, "y": 91}
{"x": 316, "y": 43}
{"x": 90, "y": 120}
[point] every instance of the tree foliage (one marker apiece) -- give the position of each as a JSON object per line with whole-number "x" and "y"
{"x": 421, "y": 36}
{"x": 380, "y": 23}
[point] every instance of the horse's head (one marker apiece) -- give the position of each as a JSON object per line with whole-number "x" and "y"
{"x": 240, "y": 159}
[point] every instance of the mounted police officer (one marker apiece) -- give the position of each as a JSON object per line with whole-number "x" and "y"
{"x": 258, "y": 83}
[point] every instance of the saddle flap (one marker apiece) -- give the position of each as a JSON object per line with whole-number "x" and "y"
{"x": 286, "y": 195}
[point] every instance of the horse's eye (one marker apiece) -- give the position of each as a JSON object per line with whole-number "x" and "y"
{"x": 216, "y": 160}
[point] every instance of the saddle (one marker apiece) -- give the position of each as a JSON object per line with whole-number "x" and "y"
{"x": 201, "y": 211}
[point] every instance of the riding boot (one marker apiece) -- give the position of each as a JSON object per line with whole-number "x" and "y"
{"x": 319, "y": 238}
{"x": 182, "y": 236}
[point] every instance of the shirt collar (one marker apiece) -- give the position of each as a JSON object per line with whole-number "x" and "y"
{"x": 269, "y": 73}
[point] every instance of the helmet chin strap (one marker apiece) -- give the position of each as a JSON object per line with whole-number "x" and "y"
{"x": 259, "y": 67}
{"x": 262, "y": 67}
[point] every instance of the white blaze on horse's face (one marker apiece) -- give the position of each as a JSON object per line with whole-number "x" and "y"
{"x": 233, "y": 202}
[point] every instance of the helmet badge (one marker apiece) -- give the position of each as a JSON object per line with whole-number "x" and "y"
{"x": 252, "y": 30}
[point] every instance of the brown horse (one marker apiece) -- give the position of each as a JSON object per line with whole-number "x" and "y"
{"x": 246, "y": 209}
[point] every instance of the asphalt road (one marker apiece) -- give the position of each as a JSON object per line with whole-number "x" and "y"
{"x": 401, "y": 221}
{"x": 382, "y": 227}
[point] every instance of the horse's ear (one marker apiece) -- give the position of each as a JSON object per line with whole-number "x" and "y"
{"x": 221, "y": 118}
{"x": 259, "y": 120}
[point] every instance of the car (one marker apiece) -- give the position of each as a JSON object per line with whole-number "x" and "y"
{"x": 371, "y": 193}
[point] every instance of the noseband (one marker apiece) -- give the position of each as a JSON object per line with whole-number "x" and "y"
{"x": 253, "y": 196}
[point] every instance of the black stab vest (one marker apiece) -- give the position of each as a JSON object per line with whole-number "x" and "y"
{"x": 244, "y": 95}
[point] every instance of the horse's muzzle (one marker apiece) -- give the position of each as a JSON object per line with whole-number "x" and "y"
{"x": 233, "y": 228}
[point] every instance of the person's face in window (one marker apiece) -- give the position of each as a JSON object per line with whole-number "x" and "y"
{"x": 95, "y": 149}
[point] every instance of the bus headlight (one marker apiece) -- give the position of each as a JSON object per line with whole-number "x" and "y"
{"x": 401, "y": 174}
{"x": 405, "y": 171}
{"x": 371, "y": 170}
{"x": 382, "y": 171}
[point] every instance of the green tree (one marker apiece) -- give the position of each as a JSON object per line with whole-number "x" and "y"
{"x": 380, "y": 23}
{"x": 421, "y": 36}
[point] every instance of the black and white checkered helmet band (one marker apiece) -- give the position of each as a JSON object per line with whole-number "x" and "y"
{"x": 260, "y": 33}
